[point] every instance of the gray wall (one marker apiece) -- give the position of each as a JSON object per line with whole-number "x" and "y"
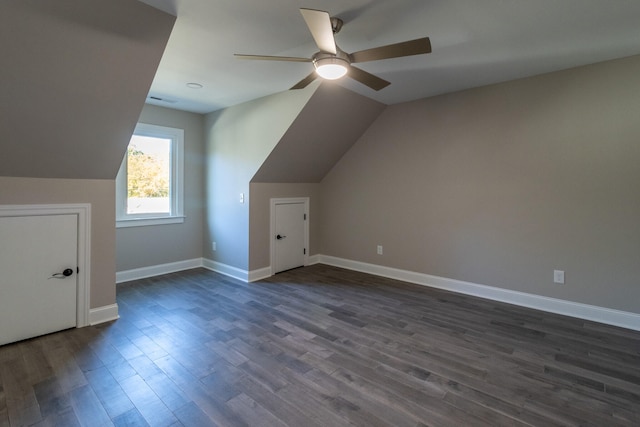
{"x": 160, "y": 244}
{"x": 74, "y": 75}
{"x": 260, "y": 218}
{"x": 101, "y": 195}
{"x": 501, "y": 185}
{"x": 238, "y": 140}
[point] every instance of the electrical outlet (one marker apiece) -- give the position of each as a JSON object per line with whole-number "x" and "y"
{"x": 558, "y": 276}
{"x": 214, "y": 246}
{"x": 379, "y": 249}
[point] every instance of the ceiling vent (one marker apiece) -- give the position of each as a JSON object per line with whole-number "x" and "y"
{"x": 161, "y": 99}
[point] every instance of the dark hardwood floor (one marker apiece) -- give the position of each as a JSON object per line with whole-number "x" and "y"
{"x": 320, "y": 346}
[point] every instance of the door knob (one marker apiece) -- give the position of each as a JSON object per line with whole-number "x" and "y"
{"x": 279, "y": 237}
{"x": 65, "y": 273}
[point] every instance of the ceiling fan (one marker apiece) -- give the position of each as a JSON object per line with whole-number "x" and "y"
{"x": 332, "y": 63}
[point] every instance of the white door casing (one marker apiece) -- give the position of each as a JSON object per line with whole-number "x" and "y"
{"x": 49, "y": 230}
{"x": 289, "y": 233}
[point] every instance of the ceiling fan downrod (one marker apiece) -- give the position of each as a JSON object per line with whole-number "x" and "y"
{"x": 336, "y": 24}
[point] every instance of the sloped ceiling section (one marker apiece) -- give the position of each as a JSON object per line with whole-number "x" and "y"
{"x": 73, "y": 80}
{"x": 328, "y": 125}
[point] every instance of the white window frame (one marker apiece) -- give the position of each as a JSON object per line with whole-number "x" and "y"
{"x": 176, "y": 192}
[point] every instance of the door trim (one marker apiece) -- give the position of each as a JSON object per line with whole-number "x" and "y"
{"x": 272, "y": 228}
{"x": 83, "y": 211}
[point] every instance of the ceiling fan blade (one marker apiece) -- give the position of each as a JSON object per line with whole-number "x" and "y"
{"x": 367, "y": 79}
{"x": 305, "y": 82}
{"x": 319, "y": 23}
{"x": 408, "y": 48}
{"x": 272, "y": 58}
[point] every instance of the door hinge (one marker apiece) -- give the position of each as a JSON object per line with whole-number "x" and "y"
{"x": 304, "y": 251}
{"x": 305, "y": 217}
{"x": 77, "y": 270}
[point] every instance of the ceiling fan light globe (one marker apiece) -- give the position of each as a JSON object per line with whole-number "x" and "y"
{"x": 331, "y": 68}
{"x": 331, "y": 71}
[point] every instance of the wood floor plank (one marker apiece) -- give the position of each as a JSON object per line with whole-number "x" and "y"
{"x": 87, "y": 408}
{"x": 313, "y": 405}
{"x": 210, "y": 397}
{"x": 4, "y": 413}
{"x": 21, "y": 402}
{"x": 130, "y": 418}
{"x": 50, "y": 397}
{"x": 170, "y": 394}
{"x": 321, "y": 346}
{"x": 36, "y": 364}
{"x": 154, "y": 411}
{"x": 328, "y": 385}
{"x": 288, "y": 412}
{"x": 252, "y": 412}
{"x": 190, "y": 414}
{"x": 66, "y": 417}
{"x": 113, "y": 398}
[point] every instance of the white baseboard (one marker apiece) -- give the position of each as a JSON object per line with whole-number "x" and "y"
{"x": 237, "y": 273}
{"x": 157, "y": 270}
{"x": 225, "y": 269}
{"x": 314, "y": 259}
{"x": 259, "y": 274}
{"x": 103, "y": 314}
{"x": 172, "y": 267}
{"x": 263, "y": 273}
{"x": 553, "y": 305}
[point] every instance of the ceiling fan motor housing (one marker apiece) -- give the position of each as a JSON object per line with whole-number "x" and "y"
{"x": 340, "y": 56}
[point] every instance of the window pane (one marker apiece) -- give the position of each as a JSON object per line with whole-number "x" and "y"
{"x": 148, "y": 175}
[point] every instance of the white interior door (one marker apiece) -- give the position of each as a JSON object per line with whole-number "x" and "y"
{"x": 37, "y": 295}
{"x": 289, "y": 236}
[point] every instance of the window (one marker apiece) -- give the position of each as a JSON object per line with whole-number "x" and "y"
{"x": 149, "y": 182}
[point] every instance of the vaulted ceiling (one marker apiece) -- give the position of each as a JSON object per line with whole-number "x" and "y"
{"x": 326, "y": 127}
{"x": 76, "y": 73}
{"x": 474, "y": 43}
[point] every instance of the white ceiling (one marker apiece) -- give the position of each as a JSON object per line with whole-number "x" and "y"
{"x": 475, "y": 43}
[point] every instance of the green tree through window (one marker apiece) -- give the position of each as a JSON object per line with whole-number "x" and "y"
{"x": 148, "y": 175}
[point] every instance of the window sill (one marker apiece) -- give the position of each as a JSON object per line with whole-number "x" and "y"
{"x": 143, "y": 222}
